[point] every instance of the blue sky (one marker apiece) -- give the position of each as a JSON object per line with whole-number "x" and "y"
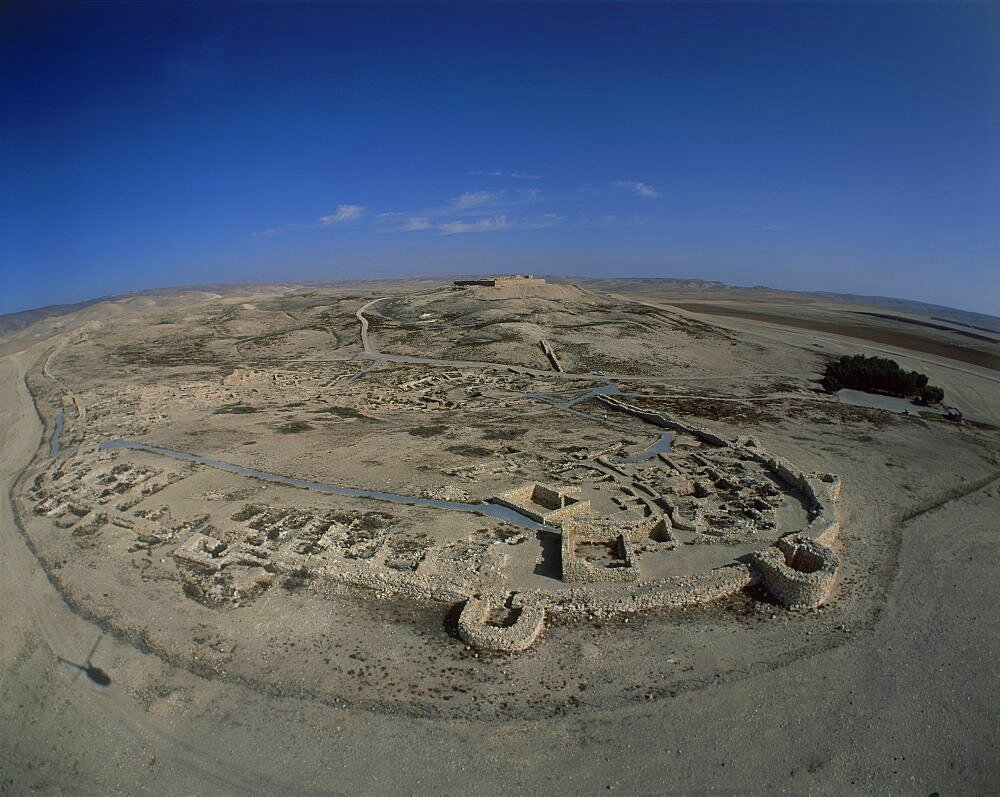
{"x": 841, "y": 147}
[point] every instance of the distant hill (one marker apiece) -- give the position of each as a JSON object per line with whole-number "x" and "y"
{"x": 981, "y": 321}
{"x": 15, "y": 322}
{"x": 619, "y": 283}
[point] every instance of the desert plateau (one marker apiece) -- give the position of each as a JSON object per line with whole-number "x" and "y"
{"x": 477, "y": 535}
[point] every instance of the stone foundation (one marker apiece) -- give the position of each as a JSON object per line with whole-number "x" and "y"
{"x": 543, "y": 504}
{"x": 575, "y": 568}
{"x": 517, "y": 631}
{"x": 797, "y": 571}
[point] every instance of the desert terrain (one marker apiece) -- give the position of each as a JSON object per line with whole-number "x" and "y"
{"x": 567, "y": 536}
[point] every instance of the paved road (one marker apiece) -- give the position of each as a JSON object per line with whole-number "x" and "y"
{"x": 364, "y": 322}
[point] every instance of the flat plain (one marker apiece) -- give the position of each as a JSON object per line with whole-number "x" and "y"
{"x": 259, "y": 512}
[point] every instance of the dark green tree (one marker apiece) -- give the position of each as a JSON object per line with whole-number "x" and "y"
{"x": 879, "y": 375}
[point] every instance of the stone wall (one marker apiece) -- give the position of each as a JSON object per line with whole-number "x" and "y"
{"x": 577, "y": 569}
{"x": 550, "y": 353}
{"x": 821, "y": 491}
{"x": 665, "y": 421}
{"x": 523, "y": 624}
{"x": 801, "y": 568}
{"x": 797, "y": 571}
{"x": 543, "y": 504}
{"x": 667, "y": 593}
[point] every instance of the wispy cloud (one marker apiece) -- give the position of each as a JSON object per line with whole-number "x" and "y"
{"x": 472, "y": 211}
{"x": 343, "y": 213}
{"x": 491, "y": 224}
{"x": 475, "y": 199}
{"x": 484, "y": 202}
{"x": 496, "y": 224}
{"x": 773, "y": 227}
{"x": 270, "y": 232}
{"x": 416, "y": 223}
{"x": 613, "y": 220}
{"x": 635, "y": 187}
{"x": 512, "y": 175}
{"x": 501, "y": 222}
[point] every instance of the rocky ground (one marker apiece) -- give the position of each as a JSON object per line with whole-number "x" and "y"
{"x": 271, "y": 679}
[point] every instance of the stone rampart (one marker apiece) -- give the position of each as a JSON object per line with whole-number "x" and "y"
{"x": 665, "y": 421}
{"x": 797, "y": 571}
{"x": 668, "y": 593}
{"x": 823, "y": 529}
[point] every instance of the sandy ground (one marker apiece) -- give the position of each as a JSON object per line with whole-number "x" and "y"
{"x": 907, "y": 700}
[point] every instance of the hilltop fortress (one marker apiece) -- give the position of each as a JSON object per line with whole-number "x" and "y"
{"x": 502, "y": 281}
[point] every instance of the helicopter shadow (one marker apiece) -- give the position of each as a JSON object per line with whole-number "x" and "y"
{"x": 94, "y": 673}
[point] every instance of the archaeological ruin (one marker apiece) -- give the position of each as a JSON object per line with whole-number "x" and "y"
{"x": 435, "y": 475}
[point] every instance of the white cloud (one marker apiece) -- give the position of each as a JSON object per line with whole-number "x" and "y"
{"x": 270, "y": 232}
{"x": 495, "y": 224}
{"x": 635, "y": 187}
{"x": 344, "y": 213}
{"x": 472, "y": 211}
{"x": 416, "y": 223}
{"x": 479, "y": 225}
{"x": 475, "y": 199}
{"x": 470, "y": 203}
{"x": 513, "y": 175}
{"x": 482, "y": 202}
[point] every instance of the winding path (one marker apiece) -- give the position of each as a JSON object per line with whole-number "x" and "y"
{"x": 364, "y": 324}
